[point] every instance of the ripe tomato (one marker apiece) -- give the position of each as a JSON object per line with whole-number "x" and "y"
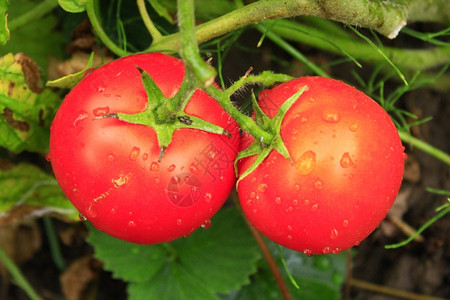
{"x": 109, "y": 168}
{"x": 346, "y": 170}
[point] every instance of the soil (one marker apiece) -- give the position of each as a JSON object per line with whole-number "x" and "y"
{"x": 421, "y": 267}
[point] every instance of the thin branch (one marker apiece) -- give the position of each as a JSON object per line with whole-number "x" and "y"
{"x": 390, "y": 291}
{"x": 154, "y": 32}
{"x": 266, "y": 253}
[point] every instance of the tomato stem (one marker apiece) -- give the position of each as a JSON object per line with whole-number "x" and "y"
{"x": 189, "y": 48}
{"x": 245, "y": 122}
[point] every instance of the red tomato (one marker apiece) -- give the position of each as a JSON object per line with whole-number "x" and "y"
{"x": 109, "y": 168}
{"x": 346, "y": 172}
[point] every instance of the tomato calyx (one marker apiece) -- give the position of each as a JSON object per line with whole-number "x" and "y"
{"x": 166, "y": 115}
{"x": 262, "y": 148}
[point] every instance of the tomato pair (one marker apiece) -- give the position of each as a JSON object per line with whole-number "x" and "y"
{"x": 345, "y": 170}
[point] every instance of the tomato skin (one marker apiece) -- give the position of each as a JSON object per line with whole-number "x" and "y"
{"x": 109, "y": 169}
{"x": 347, "y": 168}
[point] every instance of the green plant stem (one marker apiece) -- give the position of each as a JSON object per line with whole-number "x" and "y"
{"x": 245, "y": 122}
{"x": 386, "y": 18}
{"x": 96, "y": 24}
{"x": 55, "y": 248}
{"x": 21, "y": 281}
{"x": 189, "y": 48}
{"x": 154, "y": 32}
{"x": 291, "y": 50}
{"x": 37, "y": 12}
{"x": 425, "y": 147}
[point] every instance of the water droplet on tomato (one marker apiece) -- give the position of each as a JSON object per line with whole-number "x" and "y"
{"x": 326, "y": 250}
{"x": 318, "y": 184}
{"x": 336, "y": 250}
{"x": 157, "y": 180}
{"x": 278, "y": 200}
{"x": 154, "y": 166}
{"x": 345, "y": 223}
{"x": 306, "y": 163}
{"x": 253, "y": 179}
{"x": 91, "y": 213}
{"x": 314, "y": 207}
{"x": 134, "y": 154}
{"x": 81, "y": 217}
{"x": 132, "y": 224}
{"x": 255, "y": 210}
{"x": 405, "y": 156}
{"x": 346, "y": 161}
{"x": 289, "y": 209}
{"x": 208, "y": 197}
{"x": 81, "y": 116}
{"x": 334, "y": 234}
{"x": 111, "y": 157}
{"x": 289, "y": 228}
{"x": 295, "y": 202}
{"x": 354, "y": 127}
{"x": 206, "y": 224}
{"x": 145, "y": 156}
{"x": 330, "y": 116}
{"x": 119, "y": 182}
{"x": 100, "y": 89}
{"x": 289, "y": 237}
{"x": 179, "y": 222}
{"x": 100, "y": 111}
{"x": 306, "y": 202}
{"x": 193, "y": 168}
{"x": 176, "y": 179}
{"x": 307, "y": 252}
{"x": 48, "y": 157}
{"x": 357, "y": 243}
{"x": 262, "y": 187}
{"x": 252, "y": 195}
{"x": 297, "y": 187}
{"x": 171, "y": 168}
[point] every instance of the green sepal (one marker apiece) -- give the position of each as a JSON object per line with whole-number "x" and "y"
{"x": 163, "y": 119}
{"x": 259, "y": 148}
{"x": 261, "y": 154}
{"x": 154, "y": 93}
{"x": 261, "y": 118}
{"x": 187, "y": 121}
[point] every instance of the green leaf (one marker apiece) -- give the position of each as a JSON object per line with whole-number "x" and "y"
{"x": 38, "y": 39}
{"x": 26, "y": 110}
{"x": 174, "y": 282}
{"x": 161, "y": 10}
{"x": 4, "y": 31}
{"x": 73, "y": 6}
{"x": 25, "y": 185}
{"x": 71, "y": 80}
{"x": 319, "y": 277}
{"x": 214, "y": 260}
